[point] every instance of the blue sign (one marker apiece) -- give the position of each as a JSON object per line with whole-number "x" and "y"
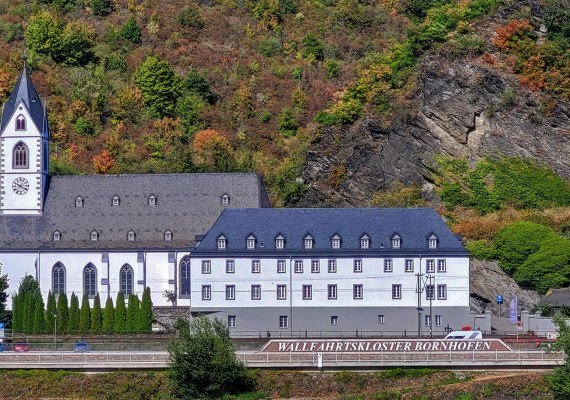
{"x": 499, "y": 299}
{"x": 1, "y": 330}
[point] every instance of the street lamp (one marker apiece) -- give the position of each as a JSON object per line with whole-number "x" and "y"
{"x": 55, "y": 329}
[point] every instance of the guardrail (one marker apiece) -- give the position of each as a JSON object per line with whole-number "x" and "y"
{"x": 86, "y": 361}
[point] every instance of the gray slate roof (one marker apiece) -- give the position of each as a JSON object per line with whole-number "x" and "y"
{"x": 413, "y": 225}
{"x": 558, "y": 297}
{"x": 25, "y": 91}
{"x": 186, "y": 204}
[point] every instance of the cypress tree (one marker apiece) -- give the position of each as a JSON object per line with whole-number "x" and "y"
{"x": 96, "y": 315}
{"x": 145, "y": 315}
{"x": 62, "y": 313}
{"x": 16, "y": 314}
{"x": 29, "y": 312}
{"x": 50, "y": 312}
{"x": 73, "y": 324}
{"x": 133, "y": 311}
{"x": 84, "y": 316}
{"x": 39, "y": 316}
{"x": 120, "y": 313}
{"x": 109, "y": 317}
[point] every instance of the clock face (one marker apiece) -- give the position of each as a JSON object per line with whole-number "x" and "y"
{"x": 20, "y": 185}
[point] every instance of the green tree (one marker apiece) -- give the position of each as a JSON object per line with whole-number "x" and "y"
{"x": 190, "y": 108}
{"x": 130, "y": 32}
{"x": 96, "y": 315}
{"x": 43, "y": 33}
{"x": 73, "y": 324}
{"x": 559, "y": 380}
{"x": 3, "y": 296}
{"x": 50, "y": 312}
{"x": 17, "y": 316}
{"x": 191, "y": 17}
{"x": 62, "y": 313}
{"x": 78, "y": 41}
{"x": 203, "y": 362}
{"x": 133, "y": 310}
{"x": 557, "y": 21}
{"x": 100, "y": 8}
{"x": 29, "y": 312}
{"x": 313, "y": 48}
{"x": 159, "y": 85}
{"x": 197, "y": 83}
{"x": 24, "y": 309}
{"x": 145, "y": 316}
{"x": 84, "y": 316}
{"x": 108, "y": 317}
{"x": 39, "y": 316}
{"x": 120, "y": 314}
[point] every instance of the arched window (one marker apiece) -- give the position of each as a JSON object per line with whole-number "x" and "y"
{"x": 20, "y": 156}
{"x": 20, "y": 123}
{"x": 90, "y": 280}
{"x": 126, "y": 277}
{"x": 58, "y": 279}
{"x": 185, "y": 276}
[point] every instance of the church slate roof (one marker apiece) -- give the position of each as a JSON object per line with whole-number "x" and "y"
{"x": 414, "y": 226}
{"x": 186, "y": 204}
{"x": 25, "y": 91}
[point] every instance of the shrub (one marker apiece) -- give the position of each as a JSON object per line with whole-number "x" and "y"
{"x": 191, "y": 17}
{"x": 100, "y": 8}
{"x": 196, "y": 83}
{"x": 352, "y": 14}
{"x": 313, "y": 48}
{"x": 343, "y": 112}
{"x": 84, "y": 126}
{"x": 481, "y": 249}
{"x": 270, "y": 47}
{"x": 212, "y": 150}
{"x": 419, "y": 8}
{"x": 287, "y": 123}
{"x": 557, "y": 22}
{"x": 130, "y": 32}
{"x": 333, "y": 68}
{"x": 399, "y": 196}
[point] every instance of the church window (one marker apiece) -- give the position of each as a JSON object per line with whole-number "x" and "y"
{"x": 90, "y": 280}
{"x": 185, "y": 276}
{"x": 168, "y": 236}
{"x": 58, "y": 279}
{"x": 20, "y": 159}
{"x": 152, "y": 200}
{"x": 56, "y": 236}
{"x": 94, "y": 236}
{"x": 20, "y": 123}
{"x": 131, "y": 236}
{"x": 116, "y": 200}
{"x": 126, "y": 278}
{"x": 79, "y": 202}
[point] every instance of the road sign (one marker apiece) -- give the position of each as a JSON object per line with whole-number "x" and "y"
{"x": 499, "y": 299}
{"x": 1, "y": 330}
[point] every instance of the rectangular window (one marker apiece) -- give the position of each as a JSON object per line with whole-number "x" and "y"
{"x": 428, "y": 320}
{"x": 231, "y": 321}
{"x": 438, "y": 320}
{"x": 336, "y": 243}
{"x": 221, "y": 244}
{"x": 230, "y": 266}
{"x": 441, "y": 292}
{"x": 315, "y": 266}
{"x": 206, "y": 267}
{"x": 364, "y": 243}
{"x": 308, "y": 243}
{"x": 256, "y": 292}
{"x": 395, "y": 243}
{"x": 283, "y": 321}
{"x": 255, "y": 266}
{"x": 381, "y": 319}
{"x": 307, "y": 292}
{"x": 396, "y": 292}
{"x": 281, "y": 292}
{"x": 334, "y": 320}
{"x": 441, "y": 267}
{"x": 387, "y": 265}
{"x": 432, "y": 243}
{"x": 357, "y": 265}
{"x": 332, "y": 266}
{"x": 409, "y": 265}
{"x": 332, "y": 292}
{"x": 230, "y": 292}
{"x": 357, "y": 292}
{"x": 281, "y": 266}
{"x": 298, "y": 266}
{"x": 251, "y": 244}
{"x": 430, "y": 292}
{"x": 206, "y": 292}
{"x": 430, "y": 266}
{"x": 279, "y": 244}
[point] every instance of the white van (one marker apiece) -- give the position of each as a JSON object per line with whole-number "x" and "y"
{"x": 464, "y": 335}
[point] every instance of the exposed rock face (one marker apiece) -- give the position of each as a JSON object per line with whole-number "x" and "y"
{"x": 488, "y": 280}
{"x": 453, "y": 117}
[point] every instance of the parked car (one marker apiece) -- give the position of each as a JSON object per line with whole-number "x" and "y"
{"x": 20, "y": 347}
{"x": 81, "y": 347}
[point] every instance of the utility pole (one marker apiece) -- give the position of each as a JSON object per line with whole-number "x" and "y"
{"x": 419, "y": 290}
{"x": 432, "y": 295}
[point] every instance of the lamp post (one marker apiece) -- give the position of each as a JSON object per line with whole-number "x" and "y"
{"x": 55, "y": 328}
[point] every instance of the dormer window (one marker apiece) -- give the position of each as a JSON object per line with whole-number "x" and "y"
{"x": 56, "y": 236}
{"x": 432, "y": 242}
{"x": 308, "y": 241}
{"x": 335, "y": 242}
{"x": 79, "y": 202}
{"x": 225, "y": 200}
{"x": 168, "y": 236}
{"x": 222, "y": 242}
{"x": 396, "y": 241}
{"x": 94, "y": 236}
{"x": 131, "y": 236}
{"x": 20, "y": 123}
{"x": 279, "y": 242}
{"x": 364, "y": 242}
{"x": 151, "y": 200}
{"x": 116, "y": 200}
{"x": 250, "y": 242}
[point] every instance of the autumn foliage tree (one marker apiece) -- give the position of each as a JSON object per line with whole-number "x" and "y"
{"x": 103, "y": 162}
{"x": 212, "y": 150}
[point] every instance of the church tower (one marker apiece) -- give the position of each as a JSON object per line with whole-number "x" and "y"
{"x": 24, "y": 152}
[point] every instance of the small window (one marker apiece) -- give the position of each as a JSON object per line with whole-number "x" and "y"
{"x": 94, "y": 236}
{"x": 428, "y": 320}
{"x": 332, "y": 292}
{"x": 20, "y": 123}
{"x": 315, "y": 266}
{"x": 441, "y": 292}
{"x": 131, "y": 236}
{"x": 255, "y": 266}
{"x": 364, "y": 243}
{"x": 251, "y": 243}
{"x": 387, "y": 265}
{"x": 357, "y": 292}
{"x": 332, "y": 266}
{"x": 409, "y": 265}
{"x": 298, "y": 266}
{"x": 225, "y": 200}
{"x": 438, "y": 320}
{"x": 281, "y": 266}
{"x": 396, "y": 243}
{"x": 357, "y": 266}
{"x": 441, "y": 267}
{"x": 206, "y": 292}
{"x": 206, "y": 267}
{"x": 230, "y": 292}
{"x": 335, "y": 242}
{"x": 432, "y": 242}
{"x": 430, "y": 292}
{"x": 152, "y": 200}
{"x": 116, "y": 201}
{"x": 280, "y": 243}
{"x": 307, "y": 292}
{"x": 334, "y": 320}
{"x": 380, "y": 319}
{"x": 256, "y": 292}
{"x": 222, "y": 243}
{"x": 79, "y": 202}
{"x": 308, "y": 242}
{"x": 283, "y": 321}
{"x": 281, "y": 292}
{"x": 230, "y": 266}
{"x": 396, "y": 292}
{"x": 167, "y": 236}
{"x": 232, "y": 321}
{"x": 430, "y": 266}
{"x": 56, "y": 236}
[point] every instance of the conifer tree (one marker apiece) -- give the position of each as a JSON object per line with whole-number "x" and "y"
{"x": 39, "y": 316}
{"x": 50, "y": 313}
{"x": 62, "y": 313}
{"x": 109, "y": 317}
{"x": 84, "y": 316}
{"x": 29, "y": 312}
{"x": 96, "y": 315}
{"x": 120, "y": 313}
{"x": 145, "y": 315}
{"x": 73, "y": 325}
{"x": 133, "y": 311}
{"x": 16, "y": 314}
